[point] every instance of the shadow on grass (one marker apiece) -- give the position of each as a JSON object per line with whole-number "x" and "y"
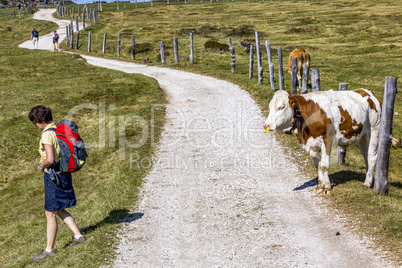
{"x": 114, "y": 217}
{"x": 396, "y": 184}
{"x": 336, "y": 179}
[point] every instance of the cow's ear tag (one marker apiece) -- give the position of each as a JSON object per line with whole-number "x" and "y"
{"x": 292, "y": 104}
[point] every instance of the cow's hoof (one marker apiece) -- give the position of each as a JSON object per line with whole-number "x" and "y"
{"x": 323, "y": 191}
{"x": 327, "y": 191}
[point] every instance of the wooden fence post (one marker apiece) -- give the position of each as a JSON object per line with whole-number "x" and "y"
{"x": 341, "y": 152}
{"x": 72, "y": 38}
{"x": 232, "y": 56}
{"x": 270, "y": 65}
{"x": 176, "y": 50}
{"x": 104, "y": 44}
{"x": 76, "y": 24}
{"x": 67, "y": 35}
{"x": 251, "y": 64}
{"x": 315, "y": 80}
{"x": 191, "y": 48}
{"x": 294, "y": 76}
{"x": 90, "y": 17}
{"x": 259, "y": 61}
{"x": 343, "y": 86}
{"x": 95, "y": 15}
{"x": 78, "y": 40}
{"x": 162, "y": 51}
{"x": 89, "y": 41}
{"x": 306, "y": 73}
{"x": 117, "y": 5}
{"x": 118, "y": 45}
{"x": 280, "y": 66}
{"x": 72, "y": 13}
{"x": 83, "y": 19}
{"x": 79, "y": 12}
{"x": 133, "y": 48}
{"x": 385, "y": 137}
{"x": 71, "y": 28}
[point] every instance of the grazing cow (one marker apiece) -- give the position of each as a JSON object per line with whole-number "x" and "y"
{"x": 321, "y": 119}
{"x": 302, "y": 58}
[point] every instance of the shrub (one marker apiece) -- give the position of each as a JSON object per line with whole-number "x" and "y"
{"x": 141, "y": 48}
{"x": 215, "y": 45}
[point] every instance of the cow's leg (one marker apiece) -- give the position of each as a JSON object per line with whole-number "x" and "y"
{"x": 324, "y": 184}
{"x": 371, "y": 156}
{"x": 316, "y": 160}
{"x": 363, "y": 145}
{"x": 299, "y": 71}
{"x": 299, "y": 78}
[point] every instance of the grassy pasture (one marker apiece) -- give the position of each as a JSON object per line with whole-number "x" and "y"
{"x": 106, "y": 187}
{"x": 356, "y": 41}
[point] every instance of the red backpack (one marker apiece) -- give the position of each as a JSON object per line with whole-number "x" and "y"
{"x": 72, "y": 148}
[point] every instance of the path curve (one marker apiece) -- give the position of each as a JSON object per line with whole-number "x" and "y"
{"x": 220, "y": 193}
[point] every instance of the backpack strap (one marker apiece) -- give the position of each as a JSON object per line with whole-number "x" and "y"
{"x": 49, "y": 129}
{"x": 55, "y": 167}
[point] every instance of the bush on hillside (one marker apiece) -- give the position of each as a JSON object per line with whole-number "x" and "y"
{"x": 215, "y": 45}
{"x": 141, "y": 48}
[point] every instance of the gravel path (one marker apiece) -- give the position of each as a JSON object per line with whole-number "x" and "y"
{"x": 221, "y": 192}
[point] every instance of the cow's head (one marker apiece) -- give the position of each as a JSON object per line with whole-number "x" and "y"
{"x": 280, "y": 115}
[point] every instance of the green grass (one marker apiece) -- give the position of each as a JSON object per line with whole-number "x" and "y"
{"x": 358, "y": 42}
{"x": 107, "y": 187}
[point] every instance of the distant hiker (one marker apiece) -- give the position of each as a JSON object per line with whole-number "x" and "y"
{"x": 55, "y": 41}
{"x": 59, "y": 191}
{"x": 19, "y": 6}
{"x": 35, "y": 38}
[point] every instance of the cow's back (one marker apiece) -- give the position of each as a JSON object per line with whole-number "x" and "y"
{"x": 352, "y": 113}
{"x": 302, "y": 57}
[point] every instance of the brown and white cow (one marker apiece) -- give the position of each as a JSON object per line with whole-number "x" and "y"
{"x": 321, "y": 119}
{"x": 302, "y": 58}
